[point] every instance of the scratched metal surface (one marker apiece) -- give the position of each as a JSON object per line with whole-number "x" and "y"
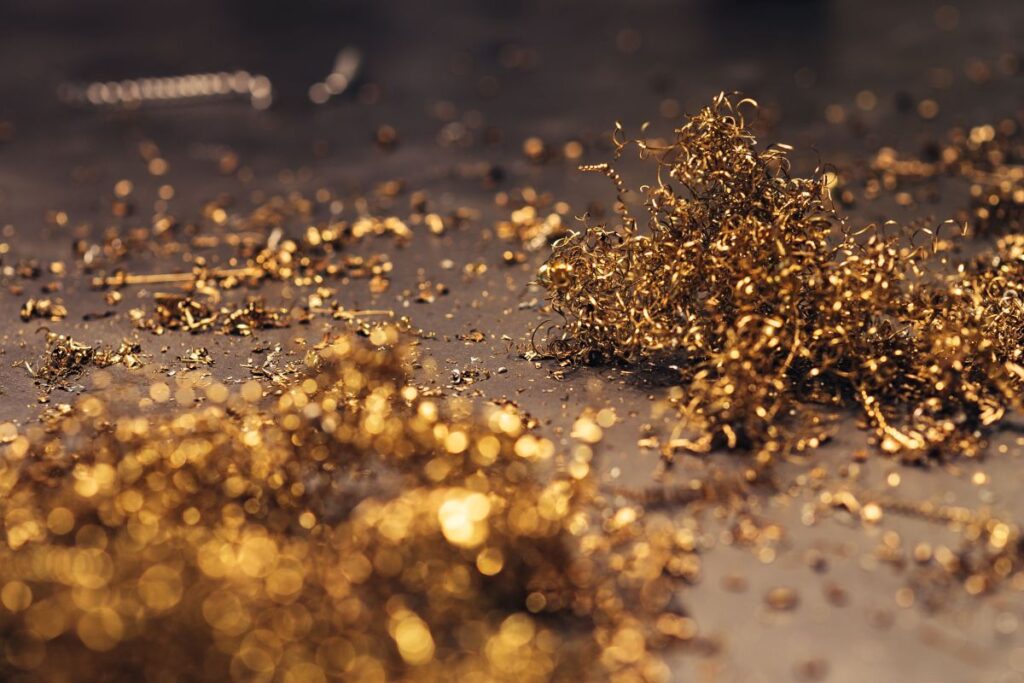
{"x": 423, "y": 53}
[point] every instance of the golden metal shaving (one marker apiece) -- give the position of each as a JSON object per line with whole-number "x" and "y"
{"x": 195, "y": 357}
{"x": 177, "y": 311}
{"x": 772, "y": 312}
{"x": 240, "y": 541}
{"x": 272, "y": 369}
{"x": 254, "y": 315}
{"x": 48, "y": 309}
{"x": 128, "y": 354}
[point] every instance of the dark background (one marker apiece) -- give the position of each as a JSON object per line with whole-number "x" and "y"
{"x": 503, "y": 72}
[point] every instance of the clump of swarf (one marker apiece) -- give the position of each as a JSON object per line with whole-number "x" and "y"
{"x": 66, "y": 359}
{"x": 772, "y": 311}
{"x": 348, "y": 529}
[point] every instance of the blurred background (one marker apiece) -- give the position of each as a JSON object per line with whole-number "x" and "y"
{"x": 489, "y": 75}
{"x": 511, "y": 70}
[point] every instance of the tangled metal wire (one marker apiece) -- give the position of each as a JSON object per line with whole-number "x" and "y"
{"x": 772, "y": 312}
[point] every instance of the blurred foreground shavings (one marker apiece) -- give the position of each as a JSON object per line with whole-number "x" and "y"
{"x": 346, "y": 528}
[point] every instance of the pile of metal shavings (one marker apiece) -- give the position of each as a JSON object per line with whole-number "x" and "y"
{"x": 47, "y": 309}
{"x": 272, "y": 368}
{"x": 187, "y": 313}
{"x": 196, "y": 356}
{"x": 239, "y": 540}
{"x": 266, "y": 252}
{"x": 128, "y": 353}
{"x": 535, "y": 219}
{"x": 176, "y": 312}
{"x": 253, "y": 315}
{"x": 771, "y": 312}
{"x": 66, "y": 359}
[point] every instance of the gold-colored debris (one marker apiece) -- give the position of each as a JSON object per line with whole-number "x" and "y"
{"x": 989, "y": 156}
{"x": 178, "y": 312}
{"x": 773, "y": 312}
{"x": 474, "y": 336}
{"x": 990, "y": 553}
{"x": 272, "y": 369}
{"x": 196, "y": 356}
{"x": 242, "y": 541}
{"x": 253, "y": 315}
{"x": 187, "y": 313}
{"x": 128, "y": 354}
{"x": 47, "y": 309}
{"x": 427, "y": 291}
{"x": 66, "y": 359}
{"x": 535, "y": 221}
{"x": 781, "y": 598}
{"x": 122, "y": 279}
